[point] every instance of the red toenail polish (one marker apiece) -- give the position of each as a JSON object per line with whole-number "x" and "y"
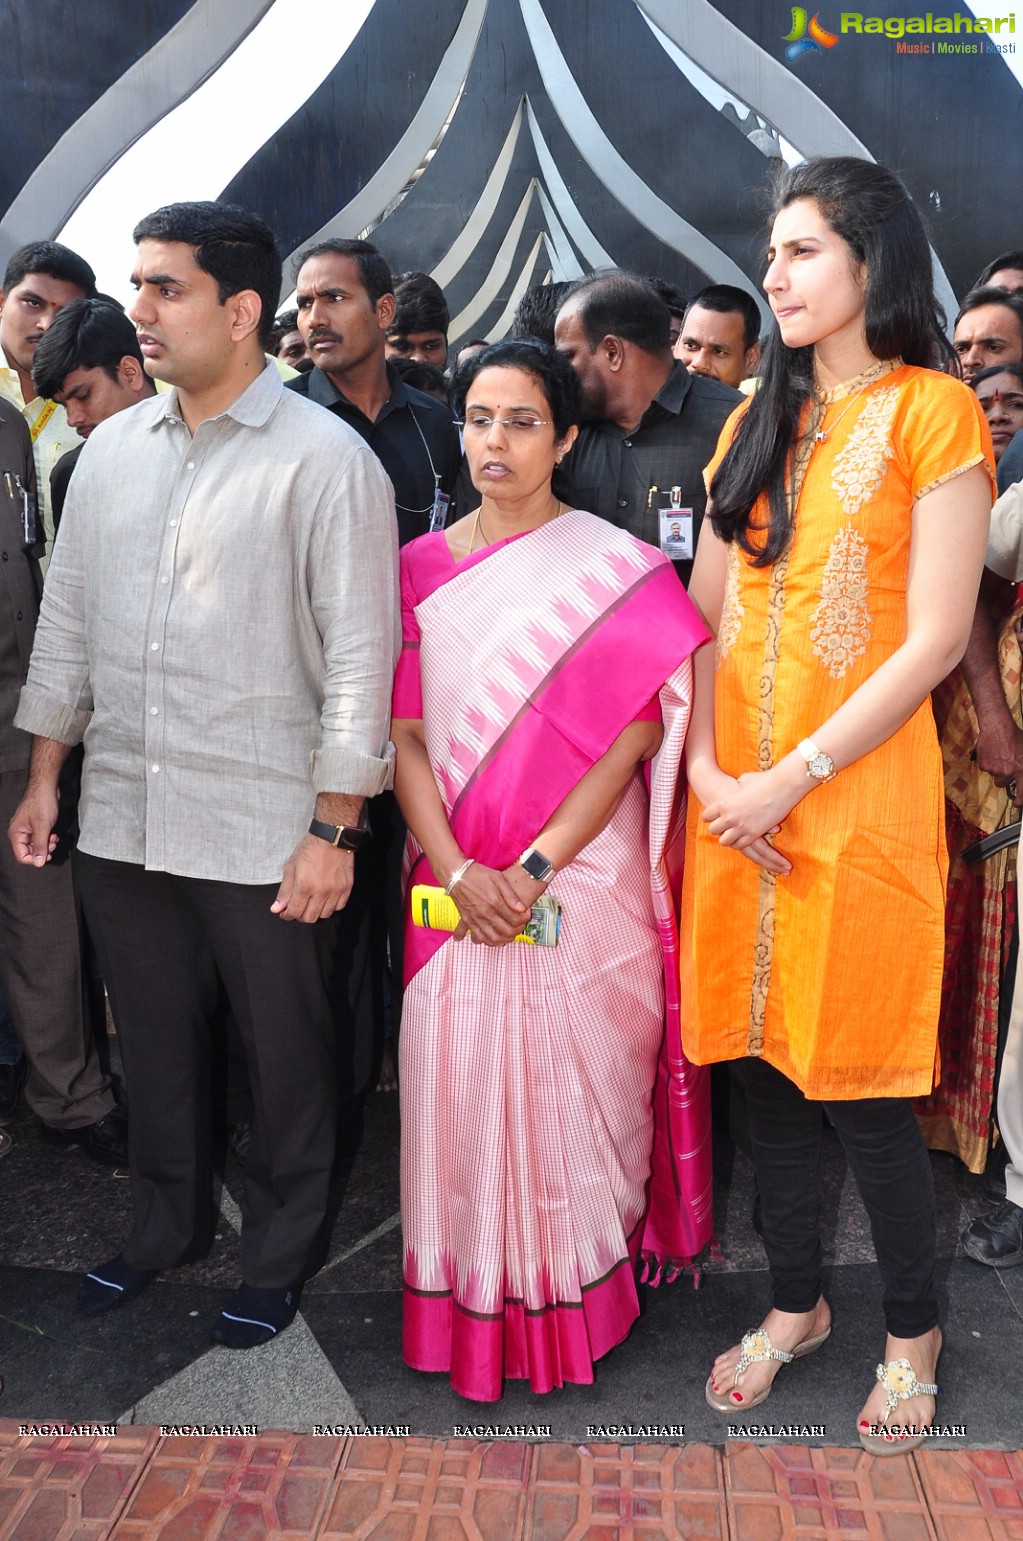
{"x": 736, "y": 1396}
{"x": 864, "y": 1424}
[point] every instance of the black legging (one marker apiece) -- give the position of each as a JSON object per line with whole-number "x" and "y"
{"x": 888, "y": 1158}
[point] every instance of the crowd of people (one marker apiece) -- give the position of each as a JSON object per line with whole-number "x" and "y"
{"x": 537, "y": 732}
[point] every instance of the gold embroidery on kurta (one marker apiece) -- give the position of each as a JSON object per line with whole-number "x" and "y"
{"x": 840, "y": 625}
{"x": 731, "y": 609}
{"x": 860, "y": 467}
{"x": 763, "y": 948}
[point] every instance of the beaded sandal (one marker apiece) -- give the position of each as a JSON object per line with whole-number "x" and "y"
{"x": 898, "y": 1378}
{"x": 757, "y": 1348}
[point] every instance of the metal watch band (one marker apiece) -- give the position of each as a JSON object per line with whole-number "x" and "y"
{"x": 346, "y": 837}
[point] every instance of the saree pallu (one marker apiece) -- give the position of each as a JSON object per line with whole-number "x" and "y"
{"x": 529, "y": 1074}
{"x": 980, "y": 911}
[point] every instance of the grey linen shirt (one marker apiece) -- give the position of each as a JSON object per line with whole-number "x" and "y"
{"x": 220, "y": 623}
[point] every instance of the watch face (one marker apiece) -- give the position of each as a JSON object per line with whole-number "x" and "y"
{"x": 537, "y": 866}
{"x": 821, "y": 766}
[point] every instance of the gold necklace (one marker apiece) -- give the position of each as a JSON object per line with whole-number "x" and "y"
{"x": 477, "y": 526}
{"x": 821, "y": 434}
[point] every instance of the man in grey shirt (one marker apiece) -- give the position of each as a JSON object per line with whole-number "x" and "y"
{"x": 220, "y": 625}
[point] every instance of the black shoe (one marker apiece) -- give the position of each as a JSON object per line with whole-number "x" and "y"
{"x": 106, "y": 1140}
{"x": 12, "y": 1079}
{"x": 997, "y": 1238}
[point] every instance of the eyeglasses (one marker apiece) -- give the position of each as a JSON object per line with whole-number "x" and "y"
{"x": 479, "y": 422}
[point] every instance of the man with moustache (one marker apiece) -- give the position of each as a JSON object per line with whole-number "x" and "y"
{"x": 345, "y": 307}
{"x": 720, "y": 335}
{"x": 988, "y": 330}
{"x": 649, "y": 426}
{"x": 221, "y": 616}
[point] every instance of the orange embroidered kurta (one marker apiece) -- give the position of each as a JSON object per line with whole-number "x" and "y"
{"x": 833, "y": 973}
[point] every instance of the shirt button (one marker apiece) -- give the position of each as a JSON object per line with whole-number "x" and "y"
{"x": 191, "y": 465}
{"x": 154, "y": 647}
{"x": 154, "y": 711}
{"x": 154, "y": 769}
{"x": 174, "y": 524}
{"x": 623, "y": 502}
{"x": 5, "y": 556}
{"x": 19, "y": 615}
{"x": 627, "y": 443}
{"x": 165, "y": 579}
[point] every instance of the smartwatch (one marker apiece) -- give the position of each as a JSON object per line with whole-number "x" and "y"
{"x": 345, "y": 837}
{"x": 537, "y": 865}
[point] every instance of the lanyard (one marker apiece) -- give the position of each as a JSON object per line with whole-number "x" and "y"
{"x": 42, "y": 420}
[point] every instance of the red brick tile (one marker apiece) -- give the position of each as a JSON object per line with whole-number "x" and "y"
{"x": 353, "y": 1504}
{"x": 497, "y": 1513}
{"x": 395, "y": 1527}
{"x": 558, "y": 1463}
{"x": 445, "y": 1527}
{"x": 964, "y": 1527}
{"x": 299, "y": 1500}
{"x": 367, "y": 1455}
{"x": 196, "y": 1521}
{"x": 902, "y": 1525}
{"x": 945, "y": 1476}
{"x": 158, "y": 1490}
{"x": 244, "y": 1522}
{"x": 505, "y": 1462}
{"x": 756, "y": 1522}
{"x": 697, "y": 1520}
{"x": 552, "y": 1515}
{"x": 44, "y": 1518}
{"x": 747, "y": 1470}
{"x": 699, "y": 1469}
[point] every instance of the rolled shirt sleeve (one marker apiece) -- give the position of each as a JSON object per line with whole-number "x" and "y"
{"x": 220, "y": 622}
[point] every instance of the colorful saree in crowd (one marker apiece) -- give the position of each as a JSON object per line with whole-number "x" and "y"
{"x": 531, "y": 1077}
{"x": 980, "y": 911}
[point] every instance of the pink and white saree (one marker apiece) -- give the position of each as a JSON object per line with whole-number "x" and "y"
{"x": 531, "y": 1077}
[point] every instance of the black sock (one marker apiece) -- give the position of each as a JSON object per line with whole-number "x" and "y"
{"x": 112, "y": 1284}
{"x": 253, "y": 1316}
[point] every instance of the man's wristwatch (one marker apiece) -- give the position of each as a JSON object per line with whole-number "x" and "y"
{"x": 346, "y": 837}
{"x": 819, "y": 766}
{"x": 537, "y": 865}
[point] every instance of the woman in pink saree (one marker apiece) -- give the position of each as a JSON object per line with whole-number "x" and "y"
{"x": 540, "y": 710}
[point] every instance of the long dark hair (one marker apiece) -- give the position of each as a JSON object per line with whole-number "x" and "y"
{"x": 870, "y": 209}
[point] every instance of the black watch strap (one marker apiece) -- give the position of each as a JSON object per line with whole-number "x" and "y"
{"x": 346, "y": 837}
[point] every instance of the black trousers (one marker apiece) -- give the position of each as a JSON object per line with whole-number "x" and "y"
{"x": 888, "y": 1159}
{"x": 165, "y": 943}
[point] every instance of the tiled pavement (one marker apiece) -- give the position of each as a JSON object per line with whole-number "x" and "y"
{"x": 137, "y": 1486}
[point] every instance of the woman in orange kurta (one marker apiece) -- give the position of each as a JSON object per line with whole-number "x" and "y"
{"x": 839, "y": 574}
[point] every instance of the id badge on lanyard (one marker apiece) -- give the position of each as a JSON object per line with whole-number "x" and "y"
{"x": 676, "y": 528}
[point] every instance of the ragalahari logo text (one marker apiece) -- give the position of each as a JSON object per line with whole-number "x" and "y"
{"x": 807, "y": 35}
